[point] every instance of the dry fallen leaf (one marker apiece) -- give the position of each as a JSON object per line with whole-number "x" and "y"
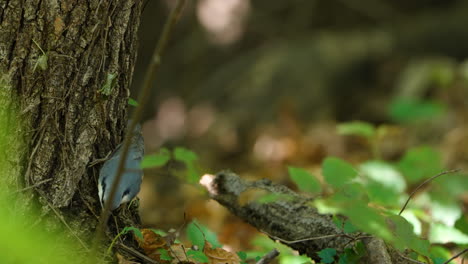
{"x": 151, "y": 245}
{"x": 179, "y": 253}
{"x": 151, "y": 241}
{"x": 220, "y": 256}
{"x": 123, "y": 260}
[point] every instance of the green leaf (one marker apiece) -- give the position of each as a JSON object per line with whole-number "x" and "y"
{"x": 405, "y": 110}
{"x": 197, "y": 256}
{"x": 439, "y": 254}
{"x": 196, "y": 234}
{"x": 343, "y": 259}
{"x": 337, "y": 172}
{"x": 159, "y": 232}
{"x": 193, "y": 175}
{"x": 266, "y": 244}
{"x": 420, "y": 163}
{"x": 349, "y": 257}
{"x": 404, "y": 236}
{"x": 132, "y": 102}
{"x": 379, "y": 193}
{"x": 164, "y": 254}
{"x": 352, "y": 255}
{"x": 350, "y": 194}
{"x": 367, "y": 219}
{"x": 384, "y": 173}
{"x": 349, "y": 227}
{"x": 156, "y": 160}
{"x": 410, "y": 216}
{"x": 445, "y": 210}
{"x": 344, "y": 224}
{"x": 42, "y": 62}
{"x": 462, "y": 224}
{"x": 106, "y": 89}
{"x": 242, "y": 255}
{"x": 305, "y": 181}
{"x": 211, "y": 236}
{"x": 357, "y": 128}
{"x": 442, "y": 234}
{"x": 450, "y": 186}
{"x": 338, "y": 221}
{"x": 185, "y": 155}
{"x": 273, "y": 197}
{"x": 293, "y": 259}
{"x": 326, "y": 255}
{"x": 360, "y": 249}
{"x": 135, "y": 230}
{"x": 188, "y": 157}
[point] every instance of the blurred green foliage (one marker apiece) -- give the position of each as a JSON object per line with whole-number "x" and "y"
{"x": 352, "y": 199}
{"x": 410, "y": 111}
{"x": 156, "y": 160}
{"x": 420, "y": 163}
{"x": 337, "y": 172}
{"x": 187, "y": 157}
{"x": 305, "y": 181}
{"x": 198, "y": 234}
{"x": 22, "y": 242}
{"x": 132, "y": 102}
{"x": 357, "y": 128}
{"x": 327, "y": 255}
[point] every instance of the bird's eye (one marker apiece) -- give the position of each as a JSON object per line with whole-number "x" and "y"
{"x": 126, "y": 192}
{"x": 103, "y": 191}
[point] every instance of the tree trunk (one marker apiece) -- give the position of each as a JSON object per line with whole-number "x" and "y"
{"x": 66, "y": 67}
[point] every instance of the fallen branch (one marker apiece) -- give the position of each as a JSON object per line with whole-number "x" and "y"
{"x": 292, "y": 219}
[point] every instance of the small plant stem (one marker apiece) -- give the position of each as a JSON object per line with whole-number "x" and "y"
{"x": 456, "y": 256}
{"x": 422, "y": 184}
{"x": 114, "y": 241}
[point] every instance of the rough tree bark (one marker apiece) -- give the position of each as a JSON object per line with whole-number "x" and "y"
{"x": 66, "y": 67}
{"x": 290, "y": 219}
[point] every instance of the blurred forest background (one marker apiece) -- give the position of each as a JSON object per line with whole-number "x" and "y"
{"x": 255, "y": 86}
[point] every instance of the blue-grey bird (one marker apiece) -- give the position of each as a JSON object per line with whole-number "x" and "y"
{"x": 130, "y": 181}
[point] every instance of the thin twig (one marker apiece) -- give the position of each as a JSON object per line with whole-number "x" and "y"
{"x": 422, "y": 184}
{"x": 409, "y": 259}
{"x": 33, "y": 152}
{"x": 300, "y": 240}
{"x": 355, "y": 239}
{"x": 456, "y": 256}
{"x": 269, "y": 257}
{"x": 34, "y": 186}
{"x": 137, "y": 254}
{"x": 351, "y": 239}
{"x": 138, "y": 113}
{"x": 97, "y": 161}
